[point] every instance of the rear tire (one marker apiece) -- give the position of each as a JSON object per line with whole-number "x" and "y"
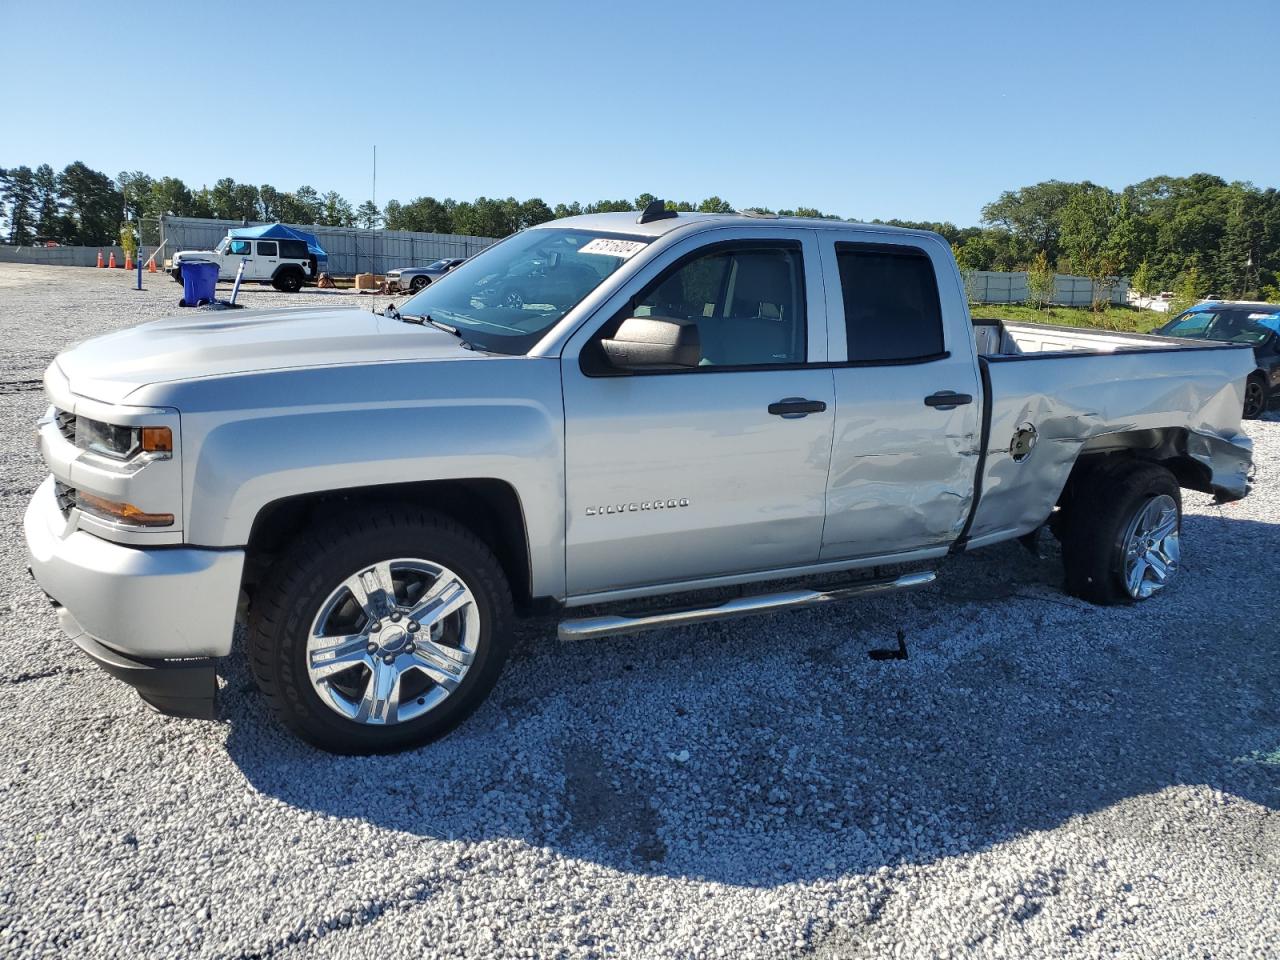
{"x": 1255, "y": 397}
{"x": 290, "y": 281}
{"x": 1105, "y": 533}
{"x": 300, "y": 588}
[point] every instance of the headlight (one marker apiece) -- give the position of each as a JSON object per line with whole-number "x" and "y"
{"x": 123, "y": 443}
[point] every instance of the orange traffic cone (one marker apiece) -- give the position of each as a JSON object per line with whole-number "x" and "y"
{"x": 151, "y": 265}
{"x": 100, "y": 263}
{"x": 128, "y": 261}
{"x": 111, "y": 264}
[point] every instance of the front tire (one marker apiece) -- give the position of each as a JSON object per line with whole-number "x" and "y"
{"x": 417, "y": 283}
{"x": 332, "y": 641}
{"x": 1255, "y": 397}
{"x": 176, "y": 273}
{"x": 1121, "y": 535}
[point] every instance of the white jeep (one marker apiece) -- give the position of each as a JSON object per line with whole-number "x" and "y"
{"x": 284, "y": 263}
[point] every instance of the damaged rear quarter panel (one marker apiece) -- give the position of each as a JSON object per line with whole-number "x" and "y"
{"x": 1087, "y": 402}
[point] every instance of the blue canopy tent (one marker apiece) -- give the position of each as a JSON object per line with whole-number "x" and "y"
{"x": 278, "y": 231}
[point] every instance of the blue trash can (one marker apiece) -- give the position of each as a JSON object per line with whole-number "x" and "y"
{"x": 199, "y": 282}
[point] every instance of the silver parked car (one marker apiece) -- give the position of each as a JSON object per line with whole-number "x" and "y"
{"x": 674, "y": 403}
{"x": 413, "y": 279}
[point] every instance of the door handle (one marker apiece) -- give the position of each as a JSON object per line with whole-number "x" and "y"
{"x": 947, "y": 400}
{"x": 793, "y": 408}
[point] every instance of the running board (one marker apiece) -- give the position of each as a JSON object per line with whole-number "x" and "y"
{"x": 588, "y": 628}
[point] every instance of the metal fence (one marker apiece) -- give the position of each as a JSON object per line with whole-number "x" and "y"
{"x": 351, "y": 250}
{"x": 990, "y": 286}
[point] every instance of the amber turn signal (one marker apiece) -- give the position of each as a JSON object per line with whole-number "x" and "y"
{"x": 122, "y": 512}
{"x": 157, "y": 440}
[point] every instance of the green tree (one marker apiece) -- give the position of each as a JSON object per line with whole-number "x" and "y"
{"x": 1034, "y": 214}
{"x": 608, "y": 206}
{"x": 368, "y": 215}
{"x": 135, "y": 187}
{"x": 534, "y": 211}
{"x": 714, "y": 205}
{"x": 270, "y": 201}
{"x": 93, "y": 205}
{"x": 1188, "y": 291}
{"x": 48, "y": 210}
{"x": 18, "y": 193}
{"x": 169, "y": 196}
{"x": 1040, "y": 281}
{"x": 336, "y": 211}
{"x": 1143, "y": 280}
{"x": 1098, "y": 238}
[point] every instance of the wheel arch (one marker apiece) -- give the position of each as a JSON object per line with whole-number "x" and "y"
{"x": 489, "y": 508}
{"x": 1192, "y": 458}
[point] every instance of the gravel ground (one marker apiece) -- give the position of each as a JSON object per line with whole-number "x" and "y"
{"x": 1040, "y": 778}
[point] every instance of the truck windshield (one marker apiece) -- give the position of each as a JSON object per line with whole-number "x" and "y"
{"x": 507, "y": 297}
{"x": 222, "y": 245}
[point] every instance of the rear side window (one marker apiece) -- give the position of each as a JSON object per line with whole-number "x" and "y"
{"x": 891, "y": 308}
{"x": 266, "y": 248}
{"x": 293, "y": 249}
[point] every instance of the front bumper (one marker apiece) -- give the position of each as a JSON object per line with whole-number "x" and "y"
{"x": 152, "y": 616}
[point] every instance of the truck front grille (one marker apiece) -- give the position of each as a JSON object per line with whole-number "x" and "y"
{"x": 66, "y": 422}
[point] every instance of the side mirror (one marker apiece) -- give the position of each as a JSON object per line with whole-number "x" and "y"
{"x": 649, "y": 343}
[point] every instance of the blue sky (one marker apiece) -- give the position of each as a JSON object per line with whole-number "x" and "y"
{"x": 920, "y": 110}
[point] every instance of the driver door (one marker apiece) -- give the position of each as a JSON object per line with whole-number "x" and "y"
{"x": 238, "y": 250}
{"x": 684, "y": 475}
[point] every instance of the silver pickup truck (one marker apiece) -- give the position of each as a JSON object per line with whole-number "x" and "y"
{"x": 672, "y": 404}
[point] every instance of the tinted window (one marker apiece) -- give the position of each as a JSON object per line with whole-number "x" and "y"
{"x": 748, "y": 303}
{"x": 240, "y": 248}
{"x": 293, "y": 249}
{"x": 266, "y": 248}
{"x": 891, "y": 309}
{"x": 1190, "y": 324}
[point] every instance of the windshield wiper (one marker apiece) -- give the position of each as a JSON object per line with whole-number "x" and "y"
{"x": 425, "y": 319}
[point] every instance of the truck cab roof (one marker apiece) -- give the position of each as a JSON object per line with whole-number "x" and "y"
{"x": 627, "y": 223}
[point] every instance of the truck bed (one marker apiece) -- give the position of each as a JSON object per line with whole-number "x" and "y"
{"x": 1004, "y": 338}
{"x": 1093, "y": 391}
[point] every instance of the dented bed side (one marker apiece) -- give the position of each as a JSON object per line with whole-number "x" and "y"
{"x": 1167, "y": 401}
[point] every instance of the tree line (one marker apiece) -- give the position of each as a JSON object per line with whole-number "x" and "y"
{"x": 1198, "y": 234}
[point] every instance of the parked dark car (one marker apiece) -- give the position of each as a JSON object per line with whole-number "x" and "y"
{"x": 1257, "y": 324}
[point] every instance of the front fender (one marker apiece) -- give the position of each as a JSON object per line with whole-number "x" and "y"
{"x": 252, "y": 440}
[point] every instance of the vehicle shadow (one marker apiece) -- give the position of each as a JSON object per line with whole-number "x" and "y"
{"x": 763, "y": 751}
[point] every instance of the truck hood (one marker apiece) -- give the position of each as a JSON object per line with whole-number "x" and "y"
{"x": 209, "y": 344}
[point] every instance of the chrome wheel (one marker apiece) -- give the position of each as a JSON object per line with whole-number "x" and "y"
{"x": 393, "y": 641}
{"x": 1151, "y": 547}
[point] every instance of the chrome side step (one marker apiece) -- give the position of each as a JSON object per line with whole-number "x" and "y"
{"x": 588, "y": 628}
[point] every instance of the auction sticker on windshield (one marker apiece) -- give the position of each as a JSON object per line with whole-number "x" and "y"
{"x": 608, "y": 247}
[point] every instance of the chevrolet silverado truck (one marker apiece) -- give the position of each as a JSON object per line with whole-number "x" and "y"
{"x": 678, "y": 404}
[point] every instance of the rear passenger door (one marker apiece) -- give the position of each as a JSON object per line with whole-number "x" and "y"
{"x": 908, "y": 396}
{"x": 268, "y": 258}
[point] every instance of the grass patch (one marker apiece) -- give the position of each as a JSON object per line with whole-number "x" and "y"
{"x": 1124, "y": 319}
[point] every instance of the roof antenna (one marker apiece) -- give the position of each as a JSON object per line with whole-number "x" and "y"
{"x": 656, "y": 210}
